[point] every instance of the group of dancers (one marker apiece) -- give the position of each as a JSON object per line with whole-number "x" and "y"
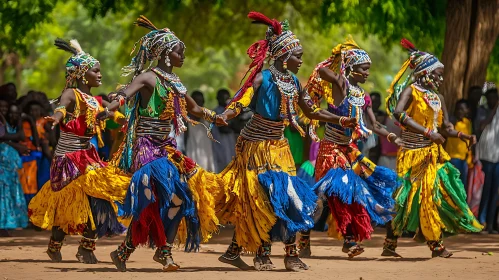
{"x": 164, "y": 196}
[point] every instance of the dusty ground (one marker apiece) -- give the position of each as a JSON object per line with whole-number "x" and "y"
{"x": 23, "y": 257}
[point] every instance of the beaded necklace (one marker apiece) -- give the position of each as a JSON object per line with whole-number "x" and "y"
{"x": 176, "y": 105}
{"x": 289, "y": 97}
{"x": 171, "y": 78}
{"x": 431, "y": 98}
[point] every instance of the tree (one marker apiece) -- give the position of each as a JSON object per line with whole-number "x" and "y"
{"x": 17, "y": 19}
{"x": 472, "y": 28}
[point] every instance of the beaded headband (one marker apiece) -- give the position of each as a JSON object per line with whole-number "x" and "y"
{"x": 78, "y": 64}
{"x": 356, "y": 57}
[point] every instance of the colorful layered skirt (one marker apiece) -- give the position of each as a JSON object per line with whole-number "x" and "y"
{"x": 354, "y": 193}
{"x": 81, "y": 193}
{"x": 261, "y": 195}
{"x": 161, "y": 172}
{"x": 432, "y": 198}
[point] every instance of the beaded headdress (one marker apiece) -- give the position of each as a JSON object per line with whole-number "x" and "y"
{"x": 279, "y": 41}
{"x": 151, "y": 46}
{"x": 422, "y": 64}
{"x": 345, "y": 55}
{"x": 78, "y": 64}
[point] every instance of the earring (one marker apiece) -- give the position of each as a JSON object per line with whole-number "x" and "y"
{"x": 285, "y": 65}
{"x": 85, "y": 81}
{"x": 350, "y": 73}
{"x": 167, "y": 61}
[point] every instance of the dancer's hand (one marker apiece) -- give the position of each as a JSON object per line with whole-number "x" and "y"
{"x": 399, "y": 142}
{"x": 221, "y": 120}
{"x": 103, "y": 115}
{"x": 350, "y": 122}
{"x": 437, "y": 138}
{"x": 470, "y": 138}
{"x": 55, "y": 119}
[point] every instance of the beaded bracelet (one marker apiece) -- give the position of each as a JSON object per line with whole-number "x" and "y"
{"x": 62, "y": 110}
{"x": 388, "y": 136}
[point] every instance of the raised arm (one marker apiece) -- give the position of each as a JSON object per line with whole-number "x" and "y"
{"x": 405, "y": 100}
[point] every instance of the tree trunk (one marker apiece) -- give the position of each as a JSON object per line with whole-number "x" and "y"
{"x": 455, "y": 53}
{"x": 482, "y": 40}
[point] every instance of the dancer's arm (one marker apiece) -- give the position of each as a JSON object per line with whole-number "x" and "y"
{"x": 378, "y": 129}
{"x": 67, "y": 100}
{"x": 312, "y": 111}
{"x": 203, "y": 112}
{"x": 235, "y": 108}
{"x": 128, "y": 92}
{"x": 403, "y": 103}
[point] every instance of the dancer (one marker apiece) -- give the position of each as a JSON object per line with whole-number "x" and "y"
{"x": 166, "y": 185}
{"x": 79, "y": 198}
{"x": 432, "y": 199}
{"x": 261, "y": 196}
{"x": 353, "y": 192}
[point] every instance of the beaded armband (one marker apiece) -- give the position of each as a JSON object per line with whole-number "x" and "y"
{"x": 236, "y": 107}
{"x": 62, "y": 110}
{"x": 388, "y": 136}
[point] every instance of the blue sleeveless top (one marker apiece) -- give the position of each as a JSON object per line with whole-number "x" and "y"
{"x": 267, "y": 101}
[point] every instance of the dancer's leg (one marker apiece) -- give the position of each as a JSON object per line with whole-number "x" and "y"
{"x": 233, "y": 255}
{"x": 292, "y": 262}
{"x": 55, "y": 244}
{"x": 86, "y": 249}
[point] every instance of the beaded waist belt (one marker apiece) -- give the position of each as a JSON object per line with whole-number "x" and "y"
{"x": 336, "y": 136}
{"x": 153, "y": 127}
{"x": 69, "y": 142}
{"x": 260, "y": 129}
{"x": 414, "y": 140}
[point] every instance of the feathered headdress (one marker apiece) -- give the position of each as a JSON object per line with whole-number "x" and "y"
{"x": 279, "y": 41}
{"x": 151, "y": 46}
{"x": 421, "y": 63}
{"x": 78, "y": 64}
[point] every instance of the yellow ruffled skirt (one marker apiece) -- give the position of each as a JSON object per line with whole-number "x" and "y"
{"x": 242, "y": 201}
{"x": 432, "y": 198}
{"x": 72, "y": 208}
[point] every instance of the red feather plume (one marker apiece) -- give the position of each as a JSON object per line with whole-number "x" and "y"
{"x": 261, "y": 18}
{"x": 407, "y": 45}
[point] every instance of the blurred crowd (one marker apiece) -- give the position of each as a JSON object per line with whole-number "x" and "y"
{"x": 24, "y": 128}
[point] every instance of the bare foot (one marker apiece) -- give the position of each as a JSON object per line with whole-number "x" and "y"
{"x": 234, "y": 260}
{"x": 263, "y": 263}
{"x": 120, "y": 265}
{"x": 55, "y": 256}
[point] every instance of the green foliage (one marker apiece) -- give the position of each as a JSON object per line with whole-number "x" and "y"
{"x": 422, "y": 22}
{"x": 18, "y": 18}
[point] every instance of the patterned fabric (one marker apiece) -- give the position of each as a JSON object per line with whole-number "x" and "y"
{"x": 356, "y": 57}
{"x": 13, "y": 212}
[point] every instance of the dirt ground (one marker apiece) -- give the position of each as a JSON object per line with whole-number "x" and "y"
{"x": 22, "y": 256}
